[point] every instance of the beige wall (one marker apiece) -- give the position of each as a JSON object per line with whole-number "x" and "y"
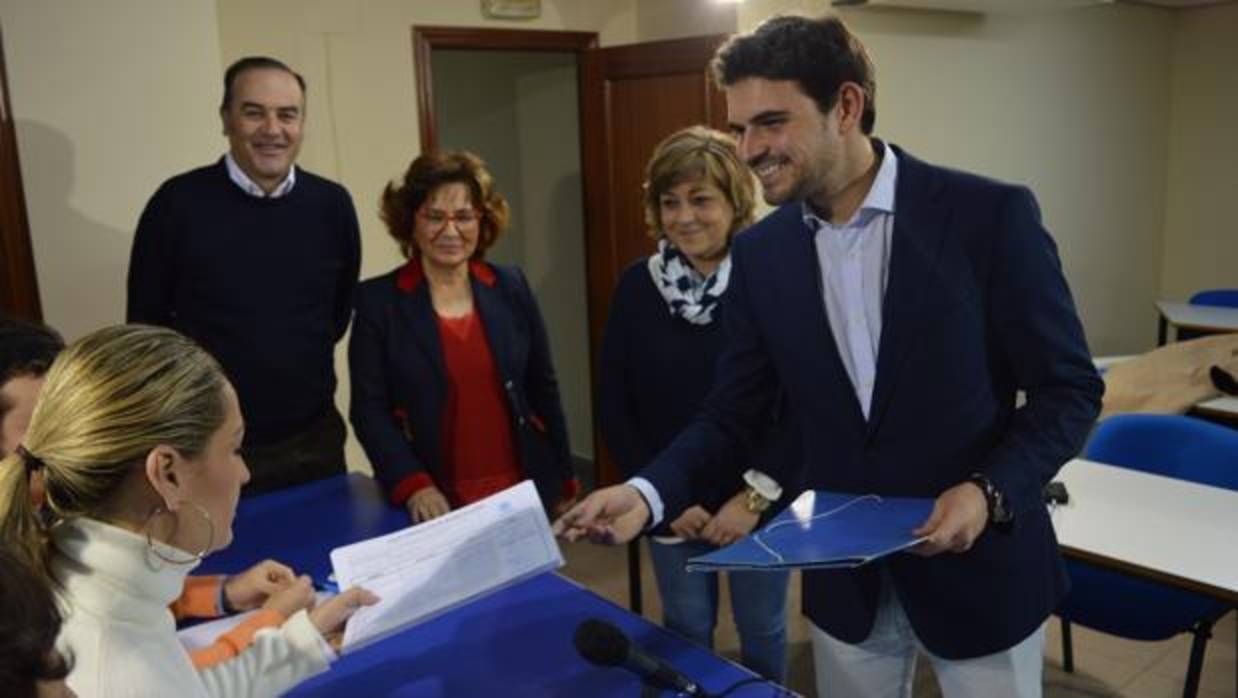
{"x": 1201, "y": 231}
{"x": 1071, "y": 103}
{"x": 673, "y": 19}
{"x": 110, "y": 99}
{"x": 1119, "y": 117}
{"x": 357, "y": 56}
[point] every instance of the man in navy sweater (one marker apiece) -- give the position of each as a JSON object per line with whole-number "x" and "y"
{"x": 257, "y": 260}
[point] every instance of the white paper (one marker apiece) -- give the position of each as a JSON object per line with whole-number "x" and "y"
{"x": 427, "y": 569}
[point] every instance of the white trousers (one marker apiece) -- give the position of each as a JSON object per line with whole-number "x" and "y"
{"x": 884, "y": 664}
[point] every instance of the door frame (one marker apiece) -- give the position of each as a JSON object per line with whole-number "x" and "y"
{"x": 428, "y": 38}
{"x": 19, "y": 288}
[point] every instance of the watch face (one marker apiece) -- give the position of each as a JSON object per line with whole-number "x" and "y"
{"x": 754, "y": 502}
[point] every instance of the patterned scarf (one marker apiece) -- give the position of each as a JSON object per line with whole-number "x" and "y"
{"x": 688, "y": 294}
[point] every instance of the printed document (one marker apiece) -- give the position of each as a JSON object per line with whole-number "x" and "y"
{"x": 432, "y": 567}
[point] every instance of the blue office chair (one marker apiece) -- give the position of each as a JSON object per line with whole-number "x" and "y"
{"x": 1227, "y": 297}
{"x": 1114, "y": 603}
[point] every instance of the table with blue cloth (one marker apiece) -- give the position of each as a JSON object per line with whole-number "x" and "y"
{"x": 515, "y": 642}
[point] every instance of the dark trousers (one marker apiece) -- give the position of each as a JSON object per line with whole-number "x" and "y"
{"x": 311, "y": 454}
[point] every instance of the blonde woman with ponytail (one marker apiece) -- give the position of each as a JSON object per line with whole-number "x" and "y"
{"x": 136, "y": 442}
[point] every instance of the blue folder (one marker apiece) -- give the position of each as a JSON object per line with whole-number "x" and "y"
{"x": 824, "y": 530}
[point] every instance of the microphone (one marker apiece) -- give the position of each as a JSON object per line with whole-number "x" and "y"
{"x": 603, "y": 644}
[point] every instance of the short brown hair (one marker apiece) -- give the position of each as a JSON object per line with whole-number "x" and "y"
{"x": 249, "y": 63}
{"x": 698, "y": 152}
{"x": 430, "y": 171}
{"x": 819, "y": 54}
{"x": 26, "y": 349}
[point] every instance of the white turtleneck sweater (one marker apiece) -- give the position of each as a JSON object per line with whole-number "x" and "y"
{"x": 122, "y": 637}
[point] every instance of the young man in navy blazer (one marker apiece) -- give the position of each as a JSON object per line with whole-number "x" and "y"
{"x": 901, "y": 307}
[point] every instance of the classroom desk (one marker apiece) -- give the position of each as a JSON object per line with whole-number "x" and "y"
{"x": 516, "y": 642}
{"x": 1200, "y": 319}
{"x": 1222, "y": 410}
{"x": 1168, "y": 530}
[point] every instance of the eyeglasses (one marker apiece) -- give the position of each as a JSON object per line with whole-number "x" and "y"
{"x": 437, "y": 220}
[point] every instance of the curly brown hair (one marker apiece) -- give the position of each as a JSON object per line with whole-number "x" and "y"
{"x": 427, "y": 173}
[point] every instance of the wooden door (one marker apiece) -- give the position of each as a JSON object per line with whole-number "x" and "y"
{"x": 19, "y": 292}
{"x": 632, "y": 97}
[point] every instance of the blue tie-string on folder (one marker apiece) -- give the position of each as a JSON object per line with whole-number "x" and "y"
{"x": 822, "y": 530}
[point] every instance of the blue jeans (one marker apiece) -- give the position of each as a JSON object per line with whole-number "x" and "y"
{"x": 690, "y": 606}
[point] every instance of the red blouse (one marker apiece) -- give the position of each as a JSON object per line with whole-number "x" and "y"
{"x": 479, "y": 455}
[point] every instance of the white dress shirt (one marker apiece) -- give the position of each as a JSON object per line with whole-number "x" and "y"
{"x": 855, "y": 267}
{"x": 247, "y": 185}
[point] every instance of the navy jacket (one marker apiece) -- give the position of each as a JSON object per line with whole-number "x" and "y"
{"x": 656, "y": 369}
{"x": 975, "y": 310}
{"x": 399, "y": 384}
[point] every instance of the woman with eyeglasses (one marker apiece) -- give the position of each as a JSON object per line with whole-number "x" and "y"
{"x": 136, "y": 439}
{"x": 454, "y": 396}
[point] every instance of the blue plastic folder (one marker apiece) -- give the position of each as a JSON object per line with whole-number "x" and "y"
{"x": 822, "y": 530}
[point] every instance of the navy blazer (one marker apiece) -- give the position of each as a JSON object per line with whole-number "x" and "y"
{"x": 399, "y": 383}
{"x": 976, "y": 309}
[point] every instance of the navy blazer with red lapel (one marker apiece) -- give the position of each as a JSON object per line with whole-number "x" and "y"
{"x": 976, "y": 309}
{"x": 399, "y": 383}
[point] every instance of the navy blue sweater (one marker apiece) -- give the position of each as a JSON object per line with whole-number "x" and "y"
{"x": 656, "y": 371}
{"x": 264, "y": 285}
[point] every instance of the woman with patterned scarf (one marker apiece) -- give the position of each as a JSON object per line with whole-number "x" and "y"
{"x": 663, "y": 337}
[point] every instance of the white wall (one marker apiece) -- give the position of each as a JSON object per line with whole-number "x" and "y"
{"x": 1201, "y": 230}
{"x": 110, "y": 99}
{"x": 1071, "y": 103}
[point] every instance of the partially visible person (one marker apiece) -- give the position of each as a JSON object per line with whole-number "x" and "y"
{"x": 137, "y": 437}
{"x": 257, "y": 260}
{"x": 663, "y": 337}
{"x": 27, "y": 350}
{"x": 30, "y": 664}
{"x": 454, "y": 395}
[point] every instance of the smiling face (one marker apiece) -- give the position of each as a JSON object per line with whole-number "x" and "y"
{"x": 263, "y": 123}
{"x": 796, "y": 151}
{"x": 697, "y": 218}
{"x": 447, "y": 226}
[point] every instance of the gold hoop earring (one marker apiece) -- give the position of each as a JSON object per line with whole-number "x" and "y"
{"x": 194, "y": 557}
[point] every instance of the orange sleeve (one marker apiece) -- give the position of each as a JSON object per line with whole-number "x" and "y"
{"x": 233, "y": 642}
{"x": 200, "y": 599}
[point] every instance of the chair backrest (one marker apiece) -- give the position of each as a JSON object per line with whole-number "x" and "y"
{"x": 1172, "y": 445}
{"x": 1216, "y": 296}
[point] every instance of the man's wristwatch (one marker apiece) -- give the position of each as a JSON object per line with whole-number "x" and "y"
{"x": 762, "y": 491}
{"x": 999, "y": 512}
